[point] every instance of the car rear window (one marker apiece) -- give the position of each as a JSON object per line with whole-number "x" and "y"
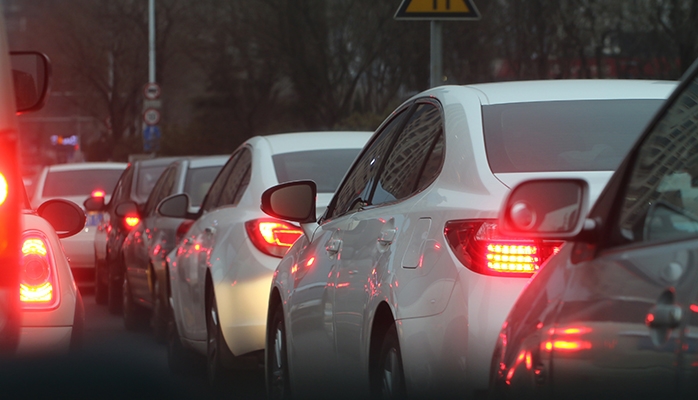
{"x": 80, "y": 182}
{"x": 198, "y": 181}
{"x": 580, "y": 135}
{"x": 147, "y": 176}
{"x": 325, "y": 167}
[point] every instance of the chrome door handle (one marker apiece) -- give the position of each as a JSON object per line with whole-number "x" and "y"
{"x": 387, "y": 236}
{"x": 664, "y": 316}
{"x": 333, "y": 246}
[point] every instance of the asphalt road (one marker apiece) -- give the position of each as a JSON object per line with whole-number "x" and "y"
{"x": 114, "y": 363}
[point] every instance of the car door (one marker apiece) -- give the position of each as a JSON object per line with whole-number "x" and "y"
{"x": 185, "y": 273}
{"x": 626, "y": 323}
{"x": 371, "y": 241}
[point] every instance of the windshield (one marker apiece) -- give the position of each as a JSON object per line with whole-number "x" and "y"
{"x": 325, "y": 167}
{"x": 198, "y": 181}
{"x": 583, "y": 135}
{"x": 81, "y": 182}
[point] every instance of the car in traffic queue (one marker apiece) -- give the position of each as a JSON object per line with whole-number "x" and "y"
{"x": 53, "y": 316}
{"x": 134, "y": 186}
{"x": 76, "y": 182}
{"x": 147, "y": 245}
{"x": 615, "y": 313}
{"x": 402, "y": 285}
{"x": 221, "y": 271}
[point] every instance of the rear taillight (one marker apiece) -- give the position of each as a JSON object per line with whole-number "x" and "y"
{"x": 3, "y": 189}
{"x": 130, "y": 222}
{"x": 38, "y": 288}
{"x": 182, "y": 229}
{"x": 97, "y": 193}
{"x": 272, "y": 236}
{"x": 480, "y": 248}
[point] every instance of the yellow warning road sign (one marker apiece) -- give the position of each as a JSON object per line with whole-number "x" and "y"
{"x": 437, "y": 9}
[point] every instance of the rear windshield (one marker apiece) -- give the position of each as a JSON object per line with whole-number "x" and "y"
{"x": 583, "y": 135}
{"x": 198, "y": 181}
{"x": 80, "y": 182}
{"x": 147, "y": 176}
{"x": 325, "y": 167}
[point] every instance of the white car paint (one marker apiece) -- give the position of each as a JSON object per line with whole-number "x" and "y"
{"x": 393, "y": 259}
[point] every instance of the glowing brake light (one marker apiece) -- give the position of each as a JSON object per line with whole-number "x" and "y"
{"x": 38, "y": 284}
{"x": 3, "y": 189}
{"x": 271, "y": 236}
{"x": 98, "y": 193}
{"x": 131, "y": 221}
{"x": 479, "y": 247}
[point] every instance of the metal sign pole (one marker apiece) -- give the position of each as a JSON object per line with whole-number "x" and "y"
{"x": 436, "y": 70}
{"x": 151, "y": 41}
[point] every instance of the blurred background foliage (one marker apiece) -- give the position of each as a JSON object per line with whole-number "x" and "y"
{"x": 232, "y": 69}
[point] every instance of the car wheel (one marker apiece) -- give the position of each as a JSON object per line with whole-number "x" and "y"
{"x": 100, "y": 287}
{"x": 180, "y": 360}
{"x": 158, "y": 319}
{"x": 278, "y": 385}
{"x": 214, "y": 366}
{"x": 389, "y": 379}
{"x": 114, "y": 293}
{"x": 134, "y": 315}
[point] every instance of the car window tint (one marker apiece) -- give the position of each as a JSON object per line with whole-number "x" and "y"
{"x": 356, "y": 186}
{"x": 211, "y": 200}
{"x": 198, "y": 181}
{"x": 147, "y": 176}
{"x": 325, "y": 167}
{"x": 80, "y": 182}
{"x": 661, "y": 199}
{"x": 403, "y": 167}
{"x": 123, "y": 192}
{"x": 154, "y": 196}
{"x": 237, "y": 180}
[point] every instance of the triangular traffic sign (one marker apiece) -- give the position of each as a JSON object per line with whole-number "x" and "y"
{"x": 437, "y": 9}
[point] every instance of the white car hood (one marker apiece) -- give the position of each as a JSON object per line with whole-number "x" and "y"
{"x": 597, "y": 180}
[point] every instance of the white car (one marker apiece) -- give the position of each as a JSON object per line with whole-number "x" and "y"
{"x": 77, "y": 182}
{"x": 221, "y": 271}
{"x": 52, "y": 310}
{"x": 403, "y": 284}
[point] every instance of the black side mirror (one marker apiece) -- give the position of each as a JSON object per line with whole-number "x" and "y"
{"x": 292, "y": 201}
{"x": 175, "y": 206}
{"x": 31, "y": 73}
{"x": 127, "y": 209}
{"x": 66, "y": 217}
{"x": 94, "y": 204}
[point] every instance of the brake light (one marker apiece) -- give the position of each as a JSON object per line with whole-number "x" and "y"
{"x": 479, "y": 247}
{"x": 271, "y": 236}
{"x": 38, "y": 284}
{"x": 182, "y": 229}
{"x": 98, "y": 193}
{"x": 131, "y": 221}
{"x": 3, "y": 189}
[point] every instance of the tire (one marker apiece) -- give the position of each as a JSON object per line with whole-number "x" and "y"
{"x": 134, "y": 315}
{"x": 389, "y": 378}
{"x": 215, "y": 370}
{"x": 276, "y": 371}
{"x": 180, "y": 360}
{"x": 158, "y": 319}
{"x": 101, "y": 290}
{"x": 114, "y": 293}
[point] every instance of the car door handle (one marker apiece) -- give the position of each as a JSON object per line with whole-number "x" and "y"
{"x": 387, "y": 236}
{"x": 664, "y": 316}
{"x": 333, "y": 246}
{"x": 210, "y": 230}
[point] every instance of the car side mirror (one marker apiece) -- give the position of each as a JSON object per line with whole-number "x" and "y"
{"x": 126, "y": 209}
{"x": 66, "y": 217}
{"x": 31, "y": 73}
{"x": 292, "y": 201}
{"x": 94, "y": 203}
{"x": 174, "y": 206}
{"x": 545, "y": 209}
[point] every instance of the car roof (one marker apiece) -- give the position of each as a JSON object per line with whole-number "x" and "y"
{"x": 304, "y": 141}
{"x": 156, "y": 161}
{"x": 86, "y": 166}
{"x": 568, "y": 89}
{"x": 207, "y": 161}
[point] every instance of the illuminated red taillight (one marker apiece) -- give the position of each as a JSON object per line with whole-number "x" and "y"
{"x": 38, "y": 286}
{"x": 182, "y": 229}
{"x": 272, "y": 236}
{"x": 98, "y": 193}
{"x": 3, "y": 189}
{"x": 480, "y": 248}
{"x": 130, "y": 222}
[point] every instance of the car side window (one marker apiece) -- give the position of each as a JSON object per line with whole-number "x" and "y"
{"x": 213, "y": 195}
{"x": 355, "y": 190}
{"x": 237, "y": 180}
{"x": 661, "y": 199}
{"x": 163, "y": 188}
{"x": 406, "y": 163}
{"x": 121, "y": 191}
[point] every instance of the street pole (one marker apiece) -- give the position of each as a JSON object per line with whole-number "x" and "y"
{"x": 151, "y": 41}
{"x": 436, "y": 70}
